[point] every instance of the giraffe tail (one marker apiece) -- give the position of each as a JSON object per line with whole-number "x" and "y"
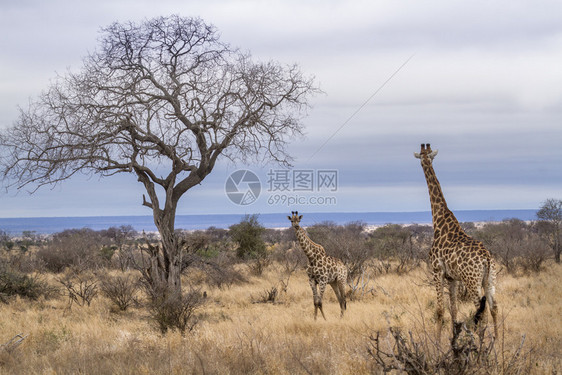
{"x": 480, "y": 310}
{"x": 488, "y": 283}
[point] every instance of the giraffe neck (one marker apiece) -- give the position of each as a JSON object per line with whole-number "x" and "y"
{"x": 311, "y": 249}
{"x": 440, "y": 213}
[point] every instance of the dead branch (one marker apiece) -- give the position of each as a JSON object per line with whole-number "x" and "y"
{"x": 13, "y": 343}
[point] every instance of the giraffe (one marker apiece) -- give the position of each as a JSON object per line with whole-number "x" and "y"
{"x": 455, "y": 256}
{"x": 322, "y": 269}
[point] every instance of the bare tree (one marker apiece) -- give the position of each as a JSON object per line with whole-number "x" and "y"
{"x": 550, "y": 214}
{"x": 162, "y": 99}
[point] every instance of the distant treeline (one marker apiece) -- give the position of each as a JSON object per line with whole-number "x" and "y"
{"x": 516, "y": 245}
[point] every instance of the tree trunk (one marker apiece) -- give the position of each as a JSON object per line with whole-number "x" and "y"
{"x": 163, "y": 275}
{"x": 171, "y": 252}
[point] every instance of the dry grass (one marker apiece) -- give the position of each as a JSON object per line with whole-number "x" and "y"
{"x": 238, "y": 336}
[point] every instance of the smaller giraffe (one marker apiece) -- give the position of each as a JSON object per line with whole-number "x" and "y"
{"x": 322, "y": 269}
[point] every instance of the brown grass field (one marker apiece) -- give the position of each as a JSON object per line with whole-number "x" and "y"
{"x": 237, "y": 335}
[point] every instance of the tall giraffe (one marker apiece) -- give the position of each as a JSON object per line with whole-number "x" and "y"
{"x": 322, "y": 269}
{"x": 454, "y": 255}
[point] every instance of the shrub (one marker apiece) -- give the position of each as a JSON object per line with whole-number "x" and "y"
{"x": 81, "y": 287}
{"x": 535, "y": 253}
{"x": 268, "y": 296}
{"x": 177, "y": 311}
{"x": 399, "y": 248}
{"x": 221, "y": 273}
{"x": 217, "y": 234}
{"x": 197, "y": 244}
{"x": 106, "y": 253}
{"x": 73, "y": 248}
{"x": 5, "y": 239}
{"x": 119, "y": 236}
{"x": 550, "y": 214}
{"x": 120, "y": 289}
{"x": 14, "y": 283}
{"x": 275, "y": 236}
{"x": 248, "y": 236}
{"x": 515, "y": 244}
{"x": 467, "y": 354}
{"x": 505, "y": 240}
{"x": 360, "y": 287}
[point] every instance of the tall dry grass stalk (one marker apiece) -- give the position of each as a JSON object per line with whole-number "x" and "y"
{"x": 238, "y": 335}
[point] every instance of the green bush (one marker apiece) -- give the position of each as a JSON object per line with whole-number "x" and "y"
{"x": 14, "y": 283}
{"x": 248, "y": 236}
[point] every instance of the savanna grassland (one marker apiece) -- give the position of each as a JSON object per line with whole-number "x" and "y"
{"x": 261, "y": 322}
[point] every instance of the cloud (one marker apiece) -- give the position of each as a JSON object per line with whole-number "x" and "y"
{"x": 484, "y": 87}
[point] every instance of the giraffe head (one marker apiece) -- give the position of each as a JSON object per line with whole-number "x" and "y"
{"x": 295, "y": 219}
{"x": 426, "y": 151}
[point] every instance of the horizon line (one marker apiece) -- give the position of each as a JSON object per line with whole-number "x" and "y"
{"x": 271, "y": 213}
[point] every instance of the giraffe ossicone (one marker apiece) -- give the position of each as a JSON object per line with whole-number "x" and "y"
{"x": 455, "y": 256}
{"x": 322, "y": 269}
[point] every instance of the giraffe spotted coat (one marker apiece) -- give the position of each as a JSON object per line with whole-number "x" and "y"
{"x": 455, "y": 256}
{"x": 322, "y": 269}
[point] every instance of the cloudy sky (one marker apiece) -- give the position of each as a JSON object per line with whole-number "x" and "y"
{"x": 481, "y": 81}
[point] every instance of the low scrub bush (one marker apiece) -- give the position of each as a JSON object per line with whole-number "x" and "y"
{"x": 177, "y": 311}
{"x": 469, "y": 351}
{"x": 223, "y": 277}
{"x": 81, "y": 288}
{"x": 14, "y": 283}
{"x": 221, "y": 273}
{"x": 400, "y": 249}
{"x": 516, "y": 245}
{"x": 120, "y": 289}
{"x": 267, "y": 296}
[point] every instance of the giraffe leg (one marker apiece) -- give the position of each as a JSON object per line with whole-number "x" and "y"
{"x": 339, "y": 290}
{"x": 453, "y": 299}
{"x": 343, "y": 303}
{"x": 494, "y": 312}
{"x": 438, "y": 279}
{"x": 480, "y": 305}
{"x": 321, "y": 289}
{"x": 489, "y": 290}
{"x": 314, "y": 296}
{"x": 334, "y": 285}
